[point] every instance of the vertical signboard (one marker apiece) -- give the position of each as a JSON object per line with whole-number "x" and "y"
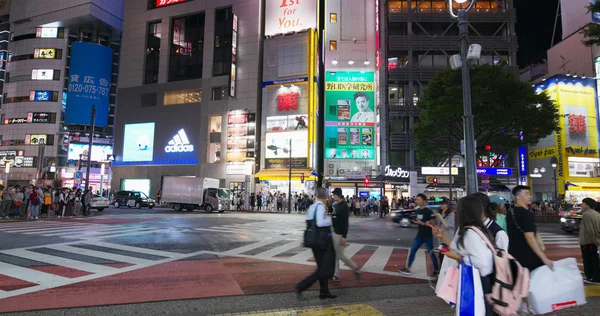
{"x": 349, "y": 115}
{"x": 377, "y": 87}
{"x": 89, "y": 83}
{"x": 233, "y": 74}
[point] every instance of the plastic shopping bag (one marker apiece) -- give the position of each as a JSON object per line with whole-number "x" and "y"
{"x": 449, "y": 275}
{"x": 471, "y": 301}
{"x": 550, "y": 291}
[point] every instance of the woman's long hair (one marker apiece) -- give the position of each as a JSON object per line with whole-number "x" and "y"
{"x": 469, "y": 212}
{"x": 487, "y": 207}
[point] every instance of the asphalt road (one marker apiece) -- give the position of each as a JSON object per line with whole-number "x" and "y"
{"x": 128, "y": 260}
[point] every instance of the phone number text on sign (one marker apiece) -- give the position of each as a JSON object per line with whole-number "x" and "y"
{"x": 89, "y": 86}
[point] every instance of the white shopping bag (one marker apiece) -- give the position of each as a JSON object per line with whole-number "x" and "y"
{"x": 447, "y": 263}
{"x": 550, "y": 291}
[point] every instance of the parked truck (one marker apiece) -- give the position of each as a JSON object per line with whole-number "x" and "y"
{"x": 191, "y": 193}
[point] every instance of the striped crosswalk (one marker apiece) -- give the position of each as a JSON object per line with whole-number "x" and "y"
{"x": 76, "y": 230}
{"x": 561, "y": 240}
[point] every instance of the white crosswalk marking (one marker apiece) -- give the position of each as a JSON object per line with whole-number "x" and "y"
{"x": 29, "y": 275}
{"x": 378, "y": 260}
{"x": 563, "y": 240}
{"x": 59, "y": 261}
{"x": 100, "y": 254}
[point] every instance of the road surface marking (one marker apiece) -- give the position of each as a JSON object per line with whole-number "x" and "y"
{"x": 250, "y": 247}
{"x": 59, "y": 261}
{"x": 137, "y": 249}
{"x": 29, "y": 275}
{"x": 302, "y": 257}
{"x": 277, "y": 250}
{"x": 100, "y": 254}
{"x": 378, "y": 260}
{"x": 86, "y": 230}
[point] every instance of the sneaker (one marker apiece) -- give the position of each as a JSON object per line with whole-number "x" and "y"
{"x": 335, "y": 279}
{"x": 404, "y": 271}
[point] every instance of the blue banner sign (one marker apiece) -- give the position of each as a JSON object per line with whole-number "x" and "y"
{"x": 501, "y": 172}
{"x": 89, "y": 83}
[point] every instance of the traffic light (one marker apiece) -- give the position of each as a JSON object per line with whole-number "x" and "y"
{"x": 367, "y": 181}
{"x": 435, "y": 181}
{"x": 488, "y": 147}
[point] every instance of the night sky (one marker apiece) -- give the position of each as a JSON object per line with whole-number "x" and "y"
{"x": 535, "y": 23}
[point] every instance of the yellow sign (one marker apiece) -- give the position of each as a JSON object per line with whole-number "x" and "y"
{"x": 578, "y": 135}
{"x": 47, "y": 53}
{"x": 543, "y": 153}
{"x": 350, "y": 86}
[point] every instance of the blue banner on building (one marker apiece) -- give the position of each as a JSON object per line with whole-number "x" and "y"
{"x": 89, "y": 83}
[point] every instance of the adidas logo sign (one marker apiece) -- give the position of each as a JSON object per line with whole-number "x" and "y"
{"x": 179, "y": 144}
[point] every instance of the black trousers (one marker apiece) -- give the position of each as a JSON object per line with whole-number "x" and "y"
{"x": 591, "y": 262}
{"x": 325, "y": 268}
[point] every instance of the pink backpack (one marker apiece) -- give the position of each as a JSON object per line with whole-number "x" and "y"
{"x": 510, "y": 283}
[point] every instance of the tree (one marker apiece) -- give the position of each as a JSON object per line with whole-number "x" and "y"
{"x": 591, "y": 32}
{"x": 502, "y": 107}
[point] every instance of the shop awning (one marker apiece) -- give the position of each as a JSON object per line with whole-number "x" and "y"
{"x": 283, "y": 175}
{"x": 593, "y": 185}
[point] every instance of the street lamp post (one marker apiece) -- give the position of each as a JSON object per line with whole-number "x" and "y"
{"x": 101, "y": 179}
{"x": 554, "y": 163}
{"x": 469, "y": 134}
{"x": 6, "y": 172}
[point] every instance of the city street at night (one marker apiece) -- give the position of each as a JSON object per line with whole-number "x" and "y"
{"x": 157, "y": 262}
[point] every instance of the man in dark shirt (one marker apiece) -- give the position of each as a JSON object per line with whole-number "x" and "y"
{"x": 424, "y": 235}
{"x": 340, "y": 233}
{"x": 522, "y": 232}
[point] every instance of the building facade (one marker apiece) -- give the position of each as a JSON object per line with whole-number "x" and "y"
{"x": 419, "y": 37}
{"x": 189, "y": 90}
{"x": 51, "y": 42}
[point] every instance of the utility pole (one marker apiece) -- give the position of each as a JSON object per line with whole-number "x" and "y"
{"x": 290, "y": 181}
{"x": 91, "y": 142}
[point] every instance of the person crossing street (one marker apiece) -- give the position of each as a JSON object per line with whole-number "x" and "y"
{"x": 340, "y": 219}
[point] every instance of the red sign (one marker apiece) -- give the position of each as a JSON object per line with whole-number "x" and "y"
{"x": 288, "y": 101}
{"x": 577, "y": 124}
{"x": 237, "y": 118}
{"x": 162, "y": 3}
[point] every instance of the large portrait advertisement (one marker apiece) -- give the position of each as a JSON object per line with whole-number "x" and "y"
{"x": 138, "y": 142}
{"x": 350, "y": 115}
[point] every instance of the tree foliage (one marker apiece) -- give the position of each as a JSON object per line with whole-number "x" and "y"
{"x": 502, "y": 107}
{"x": 591, "y": 32}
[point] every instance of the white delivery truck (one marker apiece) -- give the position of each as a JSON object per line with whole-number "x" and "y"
{"x": 193, "y": 193}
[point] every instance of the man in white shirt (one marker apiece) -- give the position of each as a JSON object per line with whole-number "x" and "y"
{"x": 325, "y": 258}
{"x": 365, "y": 114}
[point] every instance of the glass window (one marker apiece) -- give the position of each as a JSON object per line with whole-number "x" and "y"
{"x": 152, "y": 52}
{"x": 187, "y": 48}
{"x": 222, "y": 52}
{"x": 219, "y": 93}
{"x": 214, "y": 150}
{"x": 182, "y": 97}
{"x": 332, "y": 45}
{"x": 333, "y": 17}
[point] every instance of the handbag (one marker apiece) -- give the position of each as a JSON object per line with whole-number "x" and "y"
{"x": 18, "y": 203}
{"x": 470, "y": 299}
{"x": 312, "y": 235}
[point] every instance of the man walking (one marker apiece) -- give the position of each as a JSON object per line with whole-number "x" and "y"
{"x": 589, "y": 239}
{"x": 340, "y": 231}
{"x": 6, "y": 202}
{"x": 424, "y": 235}
{"x": 324, "y": 256}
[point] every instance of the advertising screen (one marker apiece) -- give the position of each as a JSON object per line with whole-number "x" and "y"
{"x": 89, "y": 83}
{"x": 140, "y": 185}
{"x": 349, "y": 115}
{"x": 277, "y": 155}
{"x": 40, "y": 95}
{"x": 99, "y": 152}
{"x": 47, "y": 32}
{"x": 162, "y": 3}
{"x": 39, "y": 117}
{"x": 47, "y": 53}
{"x": 138, "y": 142}
{"x": 42, "y": 74}
{"x": 285, "y": 16}
{"x": 35, "y": 139}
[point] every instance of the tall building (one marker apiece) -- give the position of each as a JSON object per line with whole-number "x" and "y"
{"x": 418, "y": 37}
{"x": 63, "y": 57}
{"x": 189, "y": 93}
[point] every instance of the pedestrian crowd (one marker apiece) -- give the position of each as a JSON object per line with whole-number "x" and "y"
{"x": 32, "y": 202}
{"x": 499, "y": 241}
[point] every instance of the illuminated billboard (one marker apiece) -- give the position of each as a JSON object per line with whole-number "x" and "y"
{"x": 40, "y": 95}
{"x": 42, "y": 74}
{"x": 286, "y": 16}
{"x": 46, "y": 32}
{"x": 89, "y": 83}
{"x": 138, "y": 142}
{"x": 163, "y": 3}
{"x": 99, "y": 152}
{"x": 277, "y": 152}
{"x": 349, "y": 115}
{"x": 45, "y": 53}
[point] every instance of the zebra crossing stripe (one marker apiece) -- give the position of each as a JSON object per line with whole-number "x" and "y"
{"x": 29, "y": 275}
{"x": 277, "y": 250}
{"x": 136, "y": 249}
{"x": 302, "y": 257}
{"x": 352, "y": 249}
{"x": 100, "y": 254}
{"x": 250, "y": 247}
{"x": 378, "y": 260}
{"x": 60, "y": 261}
{"x": 55, "y": 229}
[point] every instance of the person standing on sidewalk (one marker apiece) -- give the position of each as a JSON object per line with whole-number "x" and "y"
{"x": 324, "y": 256}
{"x": 589, "y": 239}
{"x": 7, "y": 200}
{"x": 425, "y": 219}
{"x": 341, "y": 222}
{"x": 86, "y": 200}
{"x": 34, "y": 204}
